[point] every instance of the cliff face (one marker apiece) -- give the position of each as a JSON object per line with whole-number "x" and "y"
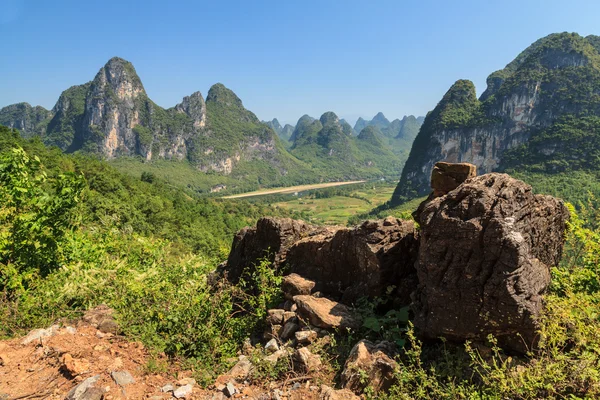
{"x": 113, "y": 116}
{"x": 555, "y": 78}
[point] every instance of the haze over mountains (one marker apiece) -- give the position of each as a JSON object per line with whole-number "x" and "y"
{"x": 540, "y": 113}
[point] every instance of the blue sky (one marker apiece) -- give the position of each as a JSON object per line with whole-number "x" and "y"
{"x": 283, "y": 58}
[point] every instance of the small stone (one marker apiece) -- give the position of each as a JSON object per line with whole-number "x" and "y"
{"x": 296, "y": 386}
{"x": 289, "y": 315}
{"x": 78, "y": 391}
{"x": 183, "y": 391}
{"x": 220, "y": 387}
{"x": 272, "y": 346}
{"x": 108, "y": 325}
{"x": 328, "y": 393}
{"x": 122, "y": 378}
{"x": 306, "y": 337}
{"x": 75, "y": 366}
{"x": 294, "y": 285}
{"x": 218, "y": 396}
{"x": 327, "y": 314}
{"x": 167, "y": 388}
{"x": 230, "y": 390}
{"x": 288, "y": 330}
{"x": 307, "y": 360}
{"x": 70, "y": 330}
{"x": 294, "y": 308}
{"x": 287, "y": 306}
{"x": 186, "y": 381}
{"x": 39, "y": 334}
{"x": 241, "y": 370}
{"x": 275, "y": 316}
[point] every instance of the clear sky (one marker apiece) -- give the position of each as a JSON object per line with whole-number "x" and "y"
{"x": 284, "y": 58}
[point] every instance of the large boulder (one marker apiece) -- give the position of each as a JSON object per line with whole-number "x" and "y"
{"x": 344, "y": 263}
{"x": 373, "y": 360}
{"x": 484, "y": 261}
{"x": 349, "y": 263}
{"x": 270, "y": 240}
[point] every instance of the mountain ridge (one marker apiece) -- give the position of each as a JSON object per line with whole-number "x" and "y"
{"x": 554, "y": 79}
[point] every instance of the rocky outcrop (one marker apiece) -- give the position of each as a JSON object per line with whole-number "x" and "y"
{"x": 484, "y": 262}
{"x": 479, "y": 266}
{"x": 550, "y": 81}
{"x": 269, "y": 240}
{"x": 446, "y": 177}
{"x": 382, "y": 252}
{"x": 373, "y": 359}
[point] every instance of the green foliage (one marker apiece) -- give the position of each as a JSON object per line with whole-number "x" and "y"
{"x": 34, "y": 218}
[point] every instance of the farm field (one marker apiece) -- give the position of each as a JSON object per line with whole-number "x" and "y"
{"x": 338, "y": 208}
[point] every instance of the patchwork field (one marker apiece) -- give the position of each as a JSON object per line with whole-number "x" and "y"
{"x": 318, "y": 207}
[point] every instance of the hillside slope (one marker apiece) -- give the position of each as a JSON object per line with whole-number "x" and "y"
{"x": 526, "y": 116}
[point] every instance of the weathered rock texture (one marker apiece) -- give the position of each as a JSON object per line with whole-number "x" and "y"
{"x": 113, "y": 116}
{"x": 325, "y": 313}
{"x": 360, "y": 261}
{"x": 448, "y": 176}
{"x": 382, "y": 253}
{"x": 270, "y": 239}
{"x": 373, "y": 359}
{"x": 484, "y": 261}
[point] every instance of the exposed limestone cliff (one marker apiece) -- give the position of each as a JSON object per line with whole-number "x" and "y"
{"x": 113, "y": 116}
{"x": 556, "y": 77}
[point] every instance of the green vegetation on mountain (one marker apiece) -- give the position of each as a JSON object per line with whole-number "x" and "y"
{"x": 330, "y": 147}
{"x": 538, "y": 113}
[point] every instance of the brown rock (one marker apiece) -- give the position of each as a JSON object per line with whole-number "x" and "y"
{"x": 275, "y": 316}
{"x": 306, "y": 360}
{"x": 328, "y": 393}
{"x": 446, "y": 177}
{"x": 270, "y": 239}
{"x": 374, "y": 360}
{"x": 288, "y": 315}
{"x": 484, "y": 261}
{"x": 306, "y": 337}
{"x": 381, "y": 253}
{"x": 349, "y": 263}
{"x": 75, "y": 366}
{"x": 293, "y": 285}
{"x": 327, "y": 314}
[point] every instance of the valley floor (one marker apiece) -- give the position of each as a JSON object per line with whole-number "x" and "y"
{"x": 291, "y": 189}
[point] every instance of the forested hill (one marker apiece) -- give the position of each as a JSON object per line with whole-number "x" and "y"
{"x": 143, "y": 205}
{"x": 540, "y": 114}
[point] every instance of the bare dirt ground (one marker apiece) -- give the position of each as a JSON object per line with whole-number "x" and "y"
{"x": 55, "y": 366}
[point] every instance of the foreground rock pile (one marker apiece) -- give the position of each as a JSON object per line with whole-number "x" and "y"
{"x": 478, "y": 265}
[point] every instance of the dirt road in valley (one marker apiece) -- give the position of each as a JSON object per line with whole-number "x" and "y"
{"x": 291, "y": 189}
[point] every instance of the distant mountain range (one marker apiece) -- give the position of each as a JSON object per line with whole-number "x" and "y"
{"x": 113, "y": 117}
{"x": 541, "y": 113}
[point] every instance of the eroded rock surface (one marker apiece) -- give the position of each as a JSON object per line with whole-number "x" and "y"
{"x": 484, "y": 261}
{"x": 270, "y": 239}
{"x": 360, "y": 261}
{"x": 373, "y": 359}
